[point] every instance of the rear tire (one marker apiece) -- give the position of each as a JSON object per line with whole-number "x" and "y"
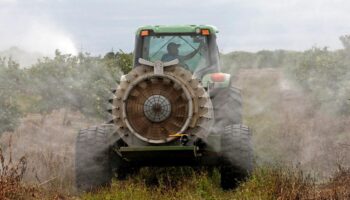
{"x": 237, "y": 151}
{"x": 92, "y": 161}
{"x": 227, "y": 104}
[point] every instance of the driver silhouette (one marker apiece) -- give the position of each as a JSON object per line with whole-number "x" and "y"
{"x": 173, "y": 53}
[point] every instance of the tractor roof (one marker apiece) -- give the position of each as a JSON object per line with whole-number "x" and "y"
{"x": 177, "y": 28}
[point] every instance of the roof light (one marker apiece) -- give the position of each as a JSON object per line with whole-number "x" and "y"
{"x": 205, "y": 32}
{"x": 145, "y": 33}
{"x": 218, "y": 77}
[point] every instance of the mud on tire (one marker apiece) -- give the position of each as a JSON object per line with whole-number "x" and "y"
{"x": 237, "y": 152}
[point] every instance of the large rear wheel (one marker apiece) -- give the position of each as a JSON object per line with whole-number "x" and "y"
{"x": 92, "y": 160}
{"x": 227, "y": 104}
{"x": 237, "y": 151}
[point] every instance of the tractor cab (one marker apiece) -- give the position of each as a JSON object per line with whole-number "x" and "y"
{"x": 194, "y": 46}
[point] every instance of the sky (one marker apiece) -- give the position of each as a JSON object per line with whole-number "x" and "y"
{"x": 103, "y": 25}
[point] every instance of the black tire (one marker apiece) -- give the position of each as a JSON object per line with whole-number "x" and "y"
{"x": 92, "y": 161}
{"x": 227, "y": 104}
{"x": 237, "y": 152}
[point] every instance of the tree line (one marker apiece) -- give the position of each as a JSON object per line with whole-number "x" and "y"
{"x": 78, "y": 83}
{"x": 83, "y": 82}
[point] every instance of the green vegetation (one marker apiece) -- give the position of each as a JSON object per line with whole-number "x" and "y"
{"x": 319, "y": 71}
{"x": 297, "y": 106}
{"x": 82, "y": 82}
{"x": 286, "y": 127}
{"x": 10, "y": 78}
{"x": 325, "y": 74}
{"x": 265, "y": 183}
{"x": 78, "y": 83}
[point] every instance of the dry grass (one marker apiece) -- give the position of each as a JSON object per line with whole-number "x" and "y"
{"x": 48, "y": 145}
{"x": 287, "y": 130}
{"x": 11, "y": 174}
{"x": 266, "y": 183}
{"x": 337, "y": 188}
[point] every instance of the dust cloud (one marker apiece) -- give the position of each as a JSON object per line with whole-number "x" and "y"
{"x": 53, "y": 100}
{"x": 288, "y": 128}
{"x": 48, "y": 143}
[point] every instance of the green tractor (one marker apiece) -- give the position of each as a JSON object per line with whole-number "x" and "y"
{"x": 174, "y": 108}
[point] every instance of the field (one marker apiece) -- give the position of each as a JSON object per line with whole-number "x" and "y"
{"x": 301, "y": 152}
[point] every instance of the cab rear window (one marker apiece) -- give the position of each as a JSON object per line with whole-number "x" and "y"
{"x": 191, "y": 50}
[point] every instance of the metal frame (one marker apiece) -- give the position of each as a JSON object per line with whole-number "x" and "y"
{"x": 145, "y": 77}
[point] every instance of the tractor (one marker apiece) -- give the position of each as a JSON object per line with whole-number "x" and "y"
{"x": 174, "y": 108}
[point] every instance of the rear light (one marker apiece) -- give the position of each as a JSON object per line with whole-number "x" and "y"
{"x": 205, "y": 32}
{"x": 144, "y": 33}
{"x": 218, "y": 77}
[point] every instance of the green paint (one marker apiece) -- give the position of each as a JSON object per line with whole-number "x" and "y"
{"x": 177, "y": 28}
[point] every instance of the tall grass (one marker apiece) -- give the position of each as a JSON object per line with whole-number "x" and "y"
{"x": 266, "y": 183}
{"x": 11, "y": 174}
